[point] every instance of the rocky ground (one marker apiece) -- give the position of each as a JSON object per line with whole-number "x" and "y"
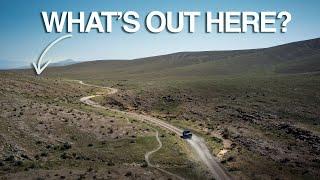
{"x": 46, "y": 133}
{"x": 261, "y": 133}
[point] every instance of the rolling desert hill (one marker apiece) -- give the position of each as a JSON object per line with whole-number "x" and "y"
{"x": 297, "y": 57}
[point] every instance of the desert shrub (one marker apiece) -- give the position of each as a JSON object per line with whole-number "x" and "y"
{"x": 66, "y": 146}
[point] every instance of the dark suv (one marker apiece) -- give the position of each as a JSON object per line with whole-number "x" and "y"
{"x": 186, "y": 134}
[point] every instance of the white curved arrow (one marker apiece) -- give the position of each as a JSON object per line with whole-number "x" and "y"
{"x": 37, "y": 66}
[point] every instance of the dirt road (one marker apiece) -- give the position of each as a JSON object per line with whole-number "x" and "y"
{"x": 196, "y": 143}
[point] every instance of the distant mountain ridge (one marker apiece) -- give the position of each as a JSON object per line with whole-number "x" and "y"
{"x": 63, "y": 63}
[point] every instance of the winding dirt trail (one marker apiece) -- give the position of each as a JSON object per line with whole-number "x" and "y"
{"x": 196, "y": 143}
{"x": 148, "y": 154}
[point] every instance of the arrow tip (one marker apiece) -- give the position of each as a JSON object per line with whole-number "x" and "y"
{"x": 37, "y": 69}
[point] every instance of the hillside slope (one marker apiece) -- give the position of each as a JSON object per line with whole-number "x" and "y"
{"x": 297, "y": 57}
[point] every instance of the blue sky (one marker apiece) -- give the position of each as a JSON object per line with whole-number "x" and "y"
{"x": 23, "y": 37}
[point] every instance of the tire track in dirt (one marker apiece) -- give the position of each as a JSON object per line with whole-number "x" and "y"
{"x": 148, "y": 154}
